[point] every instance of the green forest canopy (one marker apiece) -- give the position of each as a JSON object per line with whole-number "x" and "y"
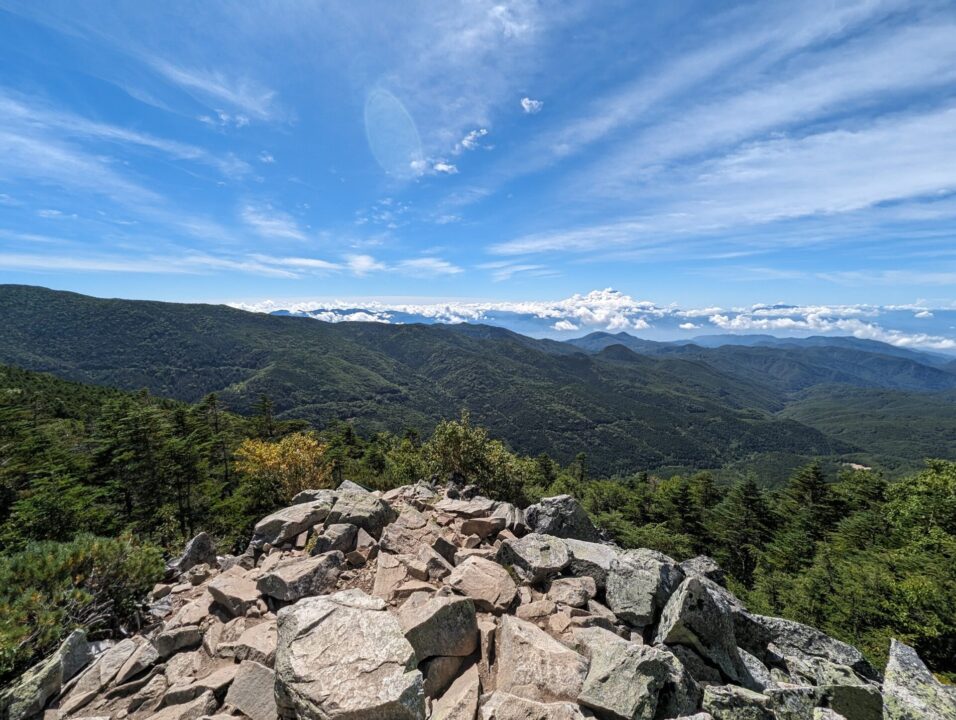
{"x": 860, "y": 557}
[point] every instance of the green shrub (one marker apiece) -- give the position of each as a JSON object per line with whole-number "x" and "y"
{"x": 50, "y": 589}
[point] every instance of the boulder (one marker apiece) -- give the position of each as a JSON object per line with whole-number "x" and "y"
{"x": 730, "y": 702}
{"x": 850, "y": 702}
{"x": 358, "y": 665}
{"x": 561, "y": 516}
{"x": 639, "y": 583}
{"x": 436, "y": 566}
{"x": 475, "y": 507}
{"x": 535, "y": 557}
{"x": 513, "y": 517}
{"x": 460, "y": 701}
{"x": 629, "y": 680}
{"x": 440, "y": 625}
{"x": 535, "y": 666}
{"x": 704, "y": 566}
{"x": 215, "y": 682}
{"x": 200, "y": 550}
{"x": 482, "y": 527}
{"x": 409, "y": 532}
{"x": 575, "y": 592}
{"x": 234, "y": 593}
{"x": 390, "y": 574}
{"x": 284, "y": 525}
{"x": 439, "y": 673}
{"x": 362, "y": 509}
{"x": 170, "y": 642}
{"x": 338, "y": 536}
{"x": 99, "y": 675}
{"x": 28, "y": 695}
{"x": 504, "y": 706}
{"x": 299, "y": 578}
{"x": 624, "y": 679}
{"x": 910, "y": 691}
{"x": 693, "y": 618}
{"x": 348, "y": 485}
{"x": 591, "y": 560}
{"x": 485, "y": 582}
{"x": 145, "y": 656}
{"x": 805, "y": 642}
{"x": 256, "y": 643}
{"x": 193, "y": 710}
{"x": 253, "y": 691}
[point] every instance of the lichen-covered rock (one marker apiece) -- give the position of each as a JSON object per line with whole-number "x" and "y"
{"x": 535, "y": 557}
{"x": 302, "y": 577}
{"x": 624, "y": 679}
{"x": 561, "y": 516}
{"x": 704, "y": 566}
{"x": 99, "y": 675}
{"x": 440, "y": 625}
{"x": 28, "y": 695}
{"x": 639, "y": 583}
{"x": 803, "y": 641}
{"x": 344, "y": 657}
{"x": 535, "y": 666}
{"x": 591, "y": 559}
{"x": 485, "y": 582}
{"x": 730, "y": 702}
{"x": 910, "y": 690}
{"x": 693, "y": 618}
{"x": 361, "y": 509}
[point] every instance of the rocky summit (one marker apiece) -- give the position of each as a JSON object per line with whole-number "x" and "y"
{"x": 419, "y": 603}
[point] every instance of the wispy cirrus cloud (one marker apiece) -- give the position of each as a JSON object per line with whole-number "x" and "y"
{"x": 270, "y": 223}
{"x": 214, "y": 87}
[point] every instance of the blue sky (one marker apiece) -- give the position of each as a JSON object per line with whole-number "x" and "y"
{"x": 691, "y": 153}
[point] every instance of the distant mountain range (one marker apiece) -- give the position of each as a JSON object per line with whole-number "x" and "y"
{"x": 630, "y": 404}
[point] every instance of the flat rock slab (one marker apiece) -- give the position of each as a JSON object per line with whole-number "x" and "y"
{"x": 910, "y": 690}
{"x": 561, "y": 516}
{"x": 440, "y": 625}
{"x": 535, "y": 557}
{"x": 485, "y": 582}
{"x": 284, "y": 525}
{"x": 234, "y": 593}
{"x": 253, "y": 691}
{"x": 302, "y": 577}
{"x": 344, "y": 657}
{"x": 535, "y": 666}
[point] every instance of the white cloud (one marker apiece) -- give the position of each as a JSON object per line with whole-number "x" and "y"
{"x": 243, "y": 95}
{"x": 361, "y": 265}
{"x": 270, "y": 223}
{"x": 924, "y": 315}
{"x": 614, "y": 311}
{"x": 471, "y": 141}
{"x": 427, "y": 267}
{"x": 531, "y": 106}
{"x": 445, "y": 168}
{"x": 266, "y": 157}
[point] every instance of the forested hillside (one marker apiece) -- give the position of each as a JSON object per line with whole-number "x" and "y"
{"x": 656, "y": 407}
{"x": 859, "y": 557}
{"x": 626, "y": 411}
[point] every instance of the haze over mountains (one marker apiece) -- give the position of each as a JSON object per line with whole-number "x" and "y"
{"x": 630, "y": 404}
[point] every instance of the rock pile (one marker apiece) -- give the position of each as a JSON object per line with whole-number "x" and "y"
{"x": 412, "y": 604}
